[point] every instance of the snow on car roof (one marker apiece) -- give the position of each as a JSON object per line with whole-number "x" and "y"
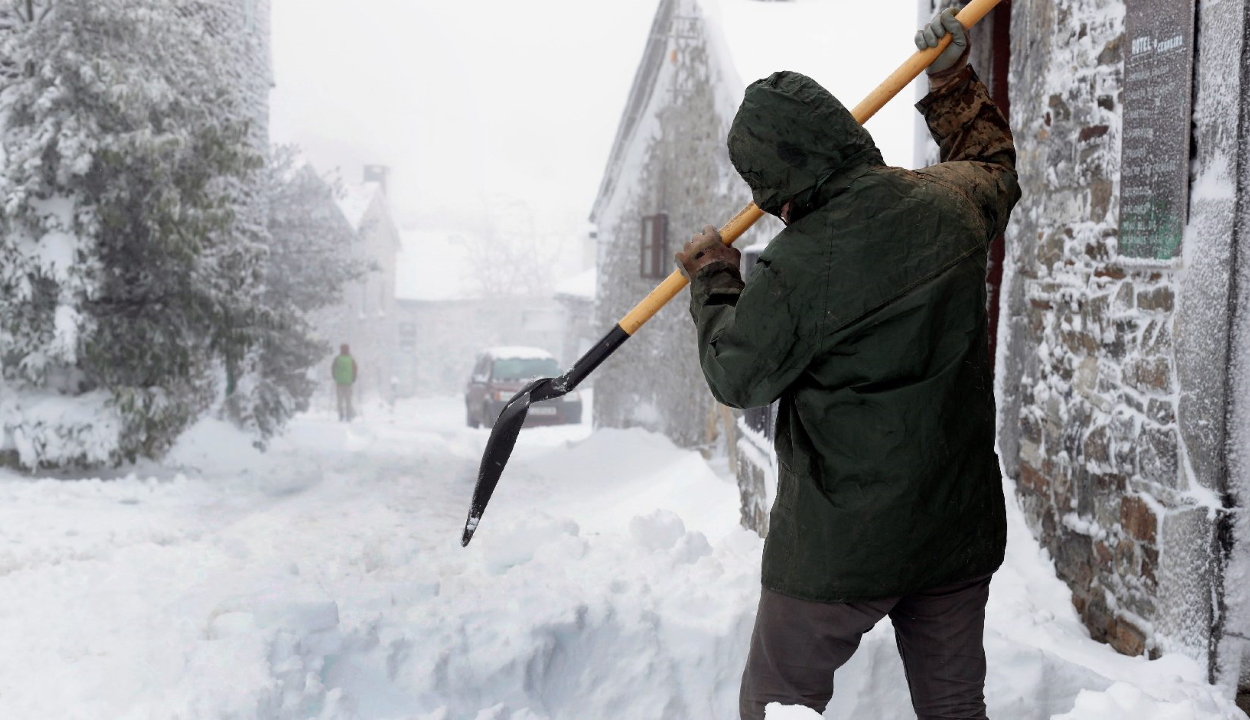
{"x": 519, "y": 352}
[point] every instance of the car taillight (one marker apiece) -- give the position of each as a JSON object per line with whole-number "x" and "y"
{"x": 503, "y": 395}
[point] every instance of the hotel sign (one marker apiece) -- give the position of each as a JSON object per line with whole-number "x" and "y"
{"x": 1154, "y": 163}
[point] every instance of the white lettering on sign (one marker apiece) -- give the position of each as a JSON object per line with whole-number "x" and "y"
{"x": 1171, "y": 43}
{"x": 1142, "y": 44}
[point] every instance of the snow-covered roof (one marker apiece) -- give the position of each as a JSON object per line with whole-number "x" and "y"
{"x": 519, "y": 352}
{"x": 848, "y": 47}
{"x": 581, "y": 285}
{"x": 357, "y": 200}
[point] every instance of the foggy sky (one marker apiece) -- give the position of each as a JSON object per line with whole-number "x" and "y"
{"x": 472, "y": 102}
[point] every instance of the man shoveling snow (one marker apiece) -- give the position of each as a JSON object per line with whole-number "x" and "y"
{"x": 866, "y": 317}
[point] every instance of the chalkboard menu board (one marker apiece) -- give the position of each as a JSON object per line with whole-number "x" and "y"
{"x": 1154, "y": 166}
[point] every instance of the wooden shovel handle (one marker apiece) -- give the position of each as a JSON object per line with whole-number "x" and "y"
{"x": 746, "y": 217}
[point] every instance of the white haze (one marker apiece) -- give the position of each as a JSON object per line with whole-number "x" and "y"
{"x": 476, "y": 104}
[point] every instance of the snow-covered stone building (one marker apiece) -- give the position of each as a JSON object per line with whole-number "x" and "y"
{"x": 1122, "y": 352}
{"x": 668, "y": 174}
{"x": 367, "y": 319}
{"x": 242, "y": 26}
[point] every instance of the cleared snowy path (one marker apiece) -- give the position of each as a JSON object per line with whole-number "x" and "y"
{"x": 325, "y": 580}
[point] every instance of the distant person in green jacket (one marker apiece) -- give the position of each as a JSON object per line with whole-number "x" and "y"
{"x": 866, "y": 318}
{"x": 343, "y": 370}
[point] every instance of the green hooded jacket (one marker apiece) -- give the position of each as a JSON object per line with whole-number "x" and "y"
{"x": 343, "y": 369}
{"x": 866, "y": 317}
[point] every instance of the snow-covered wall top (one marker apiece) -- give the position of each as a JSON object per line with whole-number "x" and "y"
{"x": 581, "y": 286}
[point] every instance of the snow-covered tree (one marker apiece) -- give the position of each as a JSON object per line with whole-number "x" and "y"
{"x": 309, "y": 261}
{"x": 131, "y": 244}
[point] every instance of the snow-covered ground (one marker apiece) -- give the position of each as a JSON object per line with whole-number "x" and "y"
{"x": 325, "y": 579}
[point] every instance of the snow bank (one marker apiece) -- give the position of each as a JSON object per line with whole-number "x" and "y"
{"x": 46, "y": 428}
{"x": 326, "y": 580}
{"x": 1123, "y": 701}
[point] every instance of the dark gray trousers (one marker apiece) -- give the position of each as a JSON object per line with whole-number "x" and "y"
{"x": 797, "y": 645}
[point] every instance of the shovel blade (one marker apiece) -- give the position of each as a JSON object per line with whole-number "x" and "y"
{"x": 508, "y": 426}
{"x": 499, "y": 448}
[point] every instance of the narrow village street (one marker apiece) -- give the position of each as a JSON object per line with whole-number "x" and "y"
{"x": 325, "y": 579}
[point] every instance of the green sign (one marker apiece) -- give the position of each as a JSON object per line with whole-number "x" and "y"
{"x": 1154, "y": 161}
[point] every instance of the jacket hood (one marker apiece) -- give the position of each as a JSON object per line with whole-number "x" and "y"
{"x": 791, "y": 138}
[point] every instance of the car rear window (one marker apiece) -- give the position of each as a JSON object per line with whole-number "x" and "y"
{"x": 524, "y": 368}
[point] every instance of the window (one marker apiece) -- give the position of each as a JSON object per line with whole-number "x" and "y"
{"x": 654, "y": 255}
{"x": 524, "y": 368}
{"x": 482, "y": 369}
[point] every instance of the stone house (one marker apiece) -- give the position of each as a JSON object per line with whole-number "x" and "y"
{"x": 668, "y": 174}
{"x": 366, "y": 319}
{"x": 1121, "y": 355}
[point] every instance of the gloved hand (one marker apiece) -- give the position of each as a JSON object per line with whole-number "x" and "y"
{"x": 704, "y": 249}
{"x": 955, "y": 56}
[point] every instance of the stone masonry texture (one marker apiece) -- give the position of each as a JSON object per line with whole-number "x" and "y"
{"x": 1113, "y": 371}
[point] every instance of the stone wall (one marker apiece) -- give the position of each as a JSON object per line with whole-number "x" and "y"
{"x": 1112, "y": 371}
{"x": 1234, "y": 212}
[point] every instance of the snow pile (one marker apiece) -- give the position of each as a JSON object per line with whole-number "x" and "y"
{"x": 1123, "y": 701}
{"x": 47, "y": 427}
{"x": 777, "y": 711}
{"x": 326, "y": 580}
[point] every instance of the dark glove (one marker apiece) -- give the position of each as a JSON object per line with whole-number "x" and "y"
{"x": 955, "y": 56}
{"x": 705, "y": 249}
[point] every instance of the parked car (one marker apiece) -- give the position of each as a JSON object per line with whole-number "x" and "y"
{"x": 501, "y": 372}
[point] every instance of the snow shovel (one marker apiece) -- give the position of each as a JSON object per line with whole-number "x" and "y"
{"x": 507, "y": 427}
